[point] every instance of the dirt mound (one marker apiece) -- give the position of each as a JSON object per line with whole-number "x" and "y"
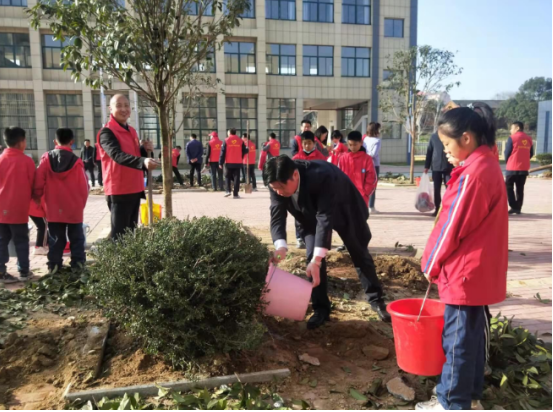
{"x": 401, "y": 271}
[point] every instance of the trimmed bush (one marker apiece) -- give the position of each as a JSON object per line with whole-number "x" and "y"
{"x": 187, "y": 288}
{"x": 544, "y": 159}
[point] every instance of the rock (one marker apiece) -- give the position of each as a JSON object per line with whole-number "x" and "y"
{"x": 400, "y": 390}
{"x": 375, "y": 352}
{"x": 10, "y": 339}
{"x": 44, "y": 361}
{"x": 47, "y": 351}
{"x": 331, "y": 382}
{"x": 309, "y": 359}
{"x": 69, "y": 336}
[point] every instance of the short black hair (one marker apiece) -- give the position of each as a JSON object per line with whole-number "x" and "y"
{"x": 232, "y": 131}
{"x": 355, "y": 136}
{"x": 245, "y": 135}
{"x": 306, "y": 121}
{"x": 64, "y": 135}
{"x": 520, "y": 125}
{"x": 87, "y": 140}
{"x": 193, "y": 135}
{"x": 13, "y": 135}
{"x": 336, "y": 134}
{"x": 278, "y": 169}
{"x": 272, "y": 135}
{"x": 307, "y": 136}
{"x": 178, "y": 147}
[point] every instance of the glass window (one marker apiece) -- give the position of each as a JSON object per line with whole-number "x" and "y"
{"x": 18, "y": 109}
{"x": 240, "y": 58}
{"x": 15, "y": 3}
{"x": 355, "y": 61}
{"x": 200, "y": 117}
{"x": 203, "y": 7}
{"x": 65, "y": 110}
{"x": 51, "y": 51}
{"x": 280, "y": 9}
{"x": 281, "y": 119}
{"x": 239, "y": 111}
{"x": 15, "y": 50}
{"x": 148, "y": 122}
{"x": 246, "y": 14}
{"x": 281, "y": 59}
{"x": 321, "y": 11}
{"x": 356, "y": 12}
{"x": 387, "y": 74}
{"x": 318, "y": 60}
{"x": 393, "y": 27}
{"x": 207, "y": 64}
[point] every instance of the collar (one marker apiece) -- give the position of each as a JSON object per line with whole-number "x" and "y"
{"x": 58, "y": 147}
{"x": 12, "y": 151}
{"x": 479, "y": 152}
{"x": 123, "y": 126}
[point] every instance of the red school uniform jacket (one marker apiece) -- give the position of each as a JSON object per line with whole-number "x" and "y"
{"x": 314, "y": 155}
{"x": 17, "y": 174}
{"x": 249, "y": 158}
{"x": 359, "y": 167}
{"x": 175, "y": 157}
{"x": 62, "y": 181}
{"x": 337, "y": 152}
{"x": 37, "y": 210}
{"x": 467, "y": 251}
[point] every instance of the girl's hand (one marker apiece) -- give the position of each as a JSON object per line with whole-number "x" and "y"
{"x": 453, "y": 160}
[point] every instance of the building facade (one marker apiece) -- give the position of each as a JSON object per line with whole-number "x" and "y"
{"x": 289, "y": 59}
{"x": 543, "y": 144}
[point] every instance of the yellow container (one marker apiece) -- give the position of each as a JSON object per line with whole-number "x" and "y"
{"x": 144, "y": 213}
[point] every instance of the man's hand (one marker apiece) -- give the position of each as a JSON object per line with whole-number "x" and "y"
{"x": 220, "y": 167}
{"x": 425, "y": 171}
{"x": 314, "y": 271}
{"x": 150, "y": 164}
{"x": 278, "y": 255}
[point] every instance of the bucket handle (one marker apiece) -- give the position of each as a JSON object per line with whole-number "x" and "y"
{"x": 272, "y": 270}
{"x": 424, "y": 301}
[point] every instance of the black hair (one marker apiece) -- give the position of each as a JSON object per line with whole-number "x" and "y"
{"x": 321, "y": 131}
{"x": 307, "y": 136}
{"x": 193, "y": 135}
{"x": 478, "y": 119}
{"x": 245, "y": 135}
{"x": 87, "y": 140}
{"x": 13, "y": 135}
{"x": 336, "y": 134}
{"x": 306, "y": 121}
{"x": 232, "y": 131}
{"x": 178, "y": 147}
{"x": 520, "y": 125}
{"x": 64, "y": 135}
{"x": 355, "y": 136}
{"x": 272, "y": 135}
{"x": 278, "y": 169}
{"x": 373, "y": 129}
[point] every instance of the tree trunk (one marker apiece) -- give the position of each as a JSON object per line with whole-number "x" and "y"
{"x": 412, "y": 167}
{"x": 166, "y": 164}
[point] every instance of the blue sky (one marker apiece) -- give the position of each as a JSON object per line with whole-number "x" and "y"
{"x": 499, "y": 43}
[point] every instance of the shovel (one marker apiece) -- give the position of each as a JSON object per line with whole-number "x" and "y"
{"x": 248, "y": 186}
{"x": 150, "y": 200}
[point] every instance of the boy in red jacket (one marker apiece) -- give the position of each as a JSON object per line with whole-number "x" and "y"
{"x": 62, "y": 181}
{"x": 17, "y": 173}
{"x": 467, "y": 252}
{"x": 308, "y": 148}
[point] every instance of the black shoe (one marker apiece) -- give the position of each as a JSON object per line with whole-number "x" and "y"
{"x": 380, "y": 309}
{"x": 236, "y": 197}
{"x": 318, "y": 319}
{"x": 25, "y": 276}
{"x": 514, "y": 212}
{"x": 6, "y": 278}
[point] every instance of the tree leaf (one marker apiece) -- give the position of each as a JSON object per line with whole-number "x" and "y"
{"x": 357, "y": 395}
{"x": 504, "y": 380}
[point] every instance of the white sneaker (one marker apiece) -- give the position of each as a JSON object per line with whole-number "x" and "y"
{"x": 40, "y": 251}
{"x": 475, "y": 405}
{"x": 433, "y": 403}
{"x": 373, "y": 210}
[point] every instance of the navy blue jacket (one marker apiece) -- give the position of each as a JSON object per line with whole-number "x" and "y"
{"x": 194, "y": 150}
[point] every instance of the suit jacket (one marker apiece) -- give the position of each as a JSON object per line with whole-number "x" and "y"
{"x": 327, "y": 200}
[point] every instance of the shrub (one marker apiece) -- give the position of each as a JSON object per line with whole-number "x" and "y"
{"x": 187, "y": 288}
{"x": 544, "y": 159}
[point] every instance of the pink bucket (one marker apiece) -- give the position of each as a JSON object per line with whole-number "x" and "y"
{"x": 288, "y": 295}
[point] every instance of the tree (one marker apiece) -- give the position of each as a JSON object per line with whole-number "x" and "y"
{"x": 156, "y": 47}
{"x": 418, "y": 72}
{"x": 536, "y": 88}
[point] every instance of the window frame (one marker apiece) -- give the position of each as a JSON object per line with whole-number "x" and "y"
{"x": 51, "y": 49}
{"x": 208, "y": 9}
{"x": 279, "y": 56}
{"x": 14, "y": 47}
{"x": 319, "y": 3}
{"x": 213, "y": 67}
{"x": 356, "y": 5}
{"x": 240, "y": 131}
{"x": 77, "y": 144}
{"x": 318, "y": 57}
{"x": 11, "y": 3}
{"x": 280, "y": 119}
{"x": 30, "y": 132}
{"x": 239, "y": 54}
{"x": 267, "y": 9}
{"x": 199, "y": 130}
{"x": 394, "y": 20}
{"x": 355, "y": 59}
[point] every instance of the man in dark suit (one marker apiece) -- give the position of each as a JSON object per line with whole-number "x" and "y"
{"x": 322, "y": 198}
{"x": 87, "y": 156}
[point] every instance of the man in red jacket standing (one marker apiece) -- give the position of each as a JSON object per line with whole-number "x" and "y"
{"x": 232, "y": 153}
{"x": 123, "y": 167}
{"x": 518, "y": 152}
{"x": 212, "y": 158}
{"x": 249, "y": 161}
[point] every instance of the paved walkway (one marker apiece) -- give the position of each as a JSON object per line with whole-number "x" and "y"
{"x": 529, "y": 236}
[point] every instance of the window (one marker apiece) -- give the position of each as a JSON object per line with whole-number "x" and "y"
{"x": 206, "y": 65}
{"x": 246, "y": 14}
{"x": 280, "y": 9}
{"x": 387, "y": 74}
{"x": 65, "y": 110}
{"x": 149, "y": 122}
{"x": 281, "y": 59}
{"x": 203, "y": 6}
{"x": 393, "y": 28}
{"x": 240, "y": 58}
{"x": 51, "y": 51}
{"x": 355, "y": 61}
{"x": 16, "y": 3}
{"x": 239, "y": 111}
{"x": 15, "y": 50}
{"x": 18, "y": 109}
{"x": 201, "y": 118}
{"x": 318, "y": 60}
{"x": 356, "y": 12}
{"x": 281, "y": 119}
{"x": 321, "y": 11}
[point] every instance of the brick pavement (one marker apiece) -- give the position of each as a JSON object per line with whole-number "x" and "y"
{"x": 529, "y": 236}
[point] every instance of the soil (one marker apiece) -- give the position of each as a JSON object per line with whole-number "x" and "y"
{"x": 156, "y": 187}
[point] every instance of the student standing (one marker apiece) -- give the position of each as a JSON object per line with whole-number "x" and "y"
{"x": 467, "y": 253}
{"x": 232, "y": 153}
{"x": 98, "y": 160}
{"x": 37, "y": 213}
{"x": 61, "y": 179}
{"x": 87, "y": 156}
{"x": 295, "y": 144}
{"x": 322, "y": 135}
{"x": 194, "y": 153}
{"x": 308, "y": 148}
{"x": 338, "y": 147}
{"x": 372, "y": 144}
{"x": 518, "y": 152}
{"x": 249, "y": 161}
{"x": 441, "y": 168}
{"x": 175, "y": 157}
{"x": 212, "y": 158}
{"x": 17, "y": 175}
{"x": 270, "y": 149}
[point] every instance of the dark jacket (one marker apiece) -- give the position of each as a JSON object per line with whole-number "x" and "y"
{"x": 194, "y": 150}
{"x": 88, "y": 154}
{"x": 435, "y": 156}
{"x": 144, "y": 153}
{"x": 328, "y": 200}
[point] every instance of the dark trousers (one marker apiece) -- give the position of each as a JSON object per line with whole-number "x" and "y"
{"x": 59, "y": 233}
{"x": 373, "y": 196}
{"x": 243, "y": 179}
{"x": 464, "y": 343}
{"x": 99, "y": 164}
{"x": 19, "y": 233}
{"x": 319, "y": 295}
{"x": 177, "y": 175}
{"x": 515, "y": 201}
{"x": 252, "y": 179}
{"x": 89, "y": 167}
{"x": 233, "y": 176}
{"x": 439, "y": 178}
{"x": 124, "y": 215}
{"x": 216, "y": 176}
{"x": 197, "y": 167}
{"x": 40, "y": 225}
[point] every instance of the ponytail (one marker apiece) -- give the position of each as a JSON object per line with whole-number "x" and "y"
{"x": 477, "y": 118}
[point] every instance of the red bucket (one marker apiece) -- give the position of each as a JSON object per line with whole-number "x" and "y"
{"x": 418, "y": 344}
{"x": 418, "y": 181}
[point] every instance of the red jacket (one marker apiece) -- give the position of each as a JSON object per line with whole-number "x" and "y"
{"x": 61, "y": 179}
{"x": 252, "y": 153}
{"x": 97, "y": 147}
{"x": 215, "y": 145}
{"x": 314, "y": 155}
{"x": 122, "y": 180}
{"x": 174, "y": 157}
{"x": 359, "y": 168}
{"x": 467, "y": 251}
{"x": 270, "y": 149}
{"x": 17, "y": 174}
{"x": 317, "y": 141}
{"x": 519, "y": 160}
{"x": 37, "y": 210}
{"x": 233, "y": 154}
{"x": 337, "y": 152}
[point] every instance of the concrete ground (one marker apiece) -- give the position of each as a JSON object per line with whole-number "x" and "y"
{"x": 398, "y": 221}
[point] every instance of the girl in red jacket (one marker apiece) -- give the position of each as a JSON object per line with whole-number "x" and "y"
{"x": 466, "y": 254}
{"x": 338, "y": 147}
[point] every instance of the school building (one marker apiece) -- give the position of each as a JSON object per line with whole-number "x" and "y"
{"x": 288, "y": 60}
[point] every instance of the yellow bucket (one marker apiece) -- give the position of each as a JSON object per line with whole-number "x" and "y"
{"x": 144, "y": 213}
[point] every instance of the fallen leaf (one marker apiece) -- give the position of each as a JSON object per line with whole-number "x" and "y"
{"x": 357, "y": 395}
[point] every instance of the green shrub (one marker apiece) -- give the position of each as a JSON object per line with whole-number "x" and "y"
{"x": 187, "y": 288}
{"x": 544, "y": 159}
